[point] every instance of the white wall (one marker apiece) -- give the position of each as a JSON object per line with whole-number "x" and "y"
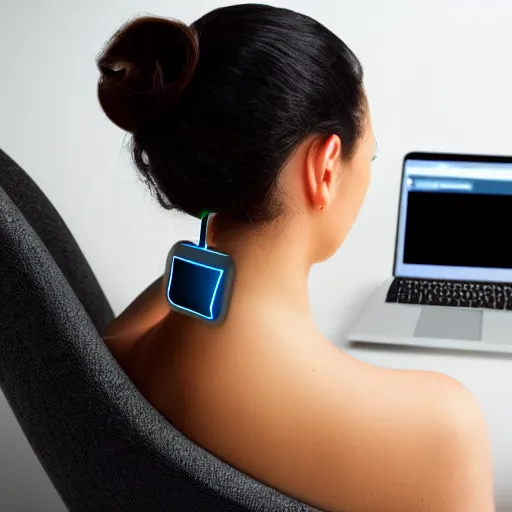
{"x": 438, "y": 76}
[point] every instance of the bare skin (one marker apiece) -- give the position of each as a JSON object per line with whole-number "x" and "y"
{"x": 267, "y": 393}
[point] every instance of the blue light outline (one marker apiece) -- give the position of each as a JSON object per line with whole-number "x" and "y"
{"x": 221, "y": 273}
{"x": 206, "y": 249}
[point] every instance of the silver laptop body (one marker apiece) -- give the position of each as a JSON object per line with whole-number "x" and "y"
{"x": 452, "y": 277}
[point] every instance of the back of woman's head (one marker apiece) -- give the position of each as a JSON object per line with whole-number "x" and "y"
{"x": 217, "y": 108}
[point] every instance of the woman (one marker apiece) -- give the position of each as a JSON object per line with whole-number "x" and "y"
{"x": 259, "y": 114}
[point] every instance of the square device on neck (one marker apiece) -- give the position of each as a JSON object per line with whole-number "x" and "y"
{"x": 199, "y": 280}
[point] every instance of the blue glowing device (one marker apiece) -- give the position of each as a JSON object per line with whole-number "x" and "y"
{"x": 199, "y": 279}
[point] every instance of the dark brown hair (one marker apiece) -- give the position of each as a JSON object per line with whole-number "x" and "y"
{"x": 217, "y": 108}
{"x": 145, "y": 67}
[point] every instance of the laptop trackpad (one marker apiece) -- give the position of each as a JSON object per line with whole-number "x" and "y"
{"x": 449, "y": 323}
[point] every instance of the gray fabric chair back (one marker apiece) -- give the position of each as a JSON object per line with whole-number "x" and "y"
{"x": 52, "y": 230}
{"x": 101, "y": 443}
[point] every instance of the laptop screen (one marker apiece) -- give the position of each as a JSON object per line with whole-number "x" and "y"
{"x": 454, "y": 220}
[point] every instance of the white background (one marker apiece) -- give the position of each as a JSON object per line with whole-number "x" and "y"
{"x": 438, "y": 76}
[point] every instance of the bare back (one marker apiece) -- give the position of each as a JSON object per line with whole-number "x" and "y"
{"x": 288, "y": 408}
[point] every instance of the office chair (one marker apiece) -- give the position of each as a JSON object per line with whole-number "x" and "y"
{"x": 101, "y": 443}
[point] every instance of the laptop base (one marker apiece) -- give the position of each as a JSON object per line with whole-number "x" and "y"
{"x": 434, "y": 327}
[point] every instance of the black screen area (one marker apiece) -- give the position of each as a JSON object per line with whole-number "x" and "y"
{"x": 460, "y": 230}
{"x": 195, "y": 287}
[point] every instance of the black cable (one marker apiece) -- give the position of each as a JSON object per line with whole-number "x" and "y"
{"x": 204, "y": 231}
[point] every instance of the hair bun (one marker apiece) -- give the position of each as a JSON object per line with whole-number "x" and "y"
{"x": 144, "y": 68}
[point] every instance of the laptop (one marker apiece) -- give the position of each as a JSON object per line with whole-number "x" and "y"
{"x": 452, "y": 278}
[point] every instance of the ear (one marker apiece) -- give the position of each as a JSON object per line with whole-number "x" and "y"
{"x": 322, "y": 162}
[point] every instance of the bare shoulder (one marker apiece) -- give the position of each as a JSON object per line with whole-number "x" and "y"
{"x": 411, "y": 441}
{"x": 454, "y": 469}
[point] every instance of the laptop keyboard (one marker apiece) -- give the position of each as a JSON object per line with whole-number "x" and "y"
{"x": 450, "y": 293}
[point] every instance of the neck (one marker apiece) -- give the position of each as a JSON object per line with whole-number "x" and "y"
{"x": 272, "y": 262}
